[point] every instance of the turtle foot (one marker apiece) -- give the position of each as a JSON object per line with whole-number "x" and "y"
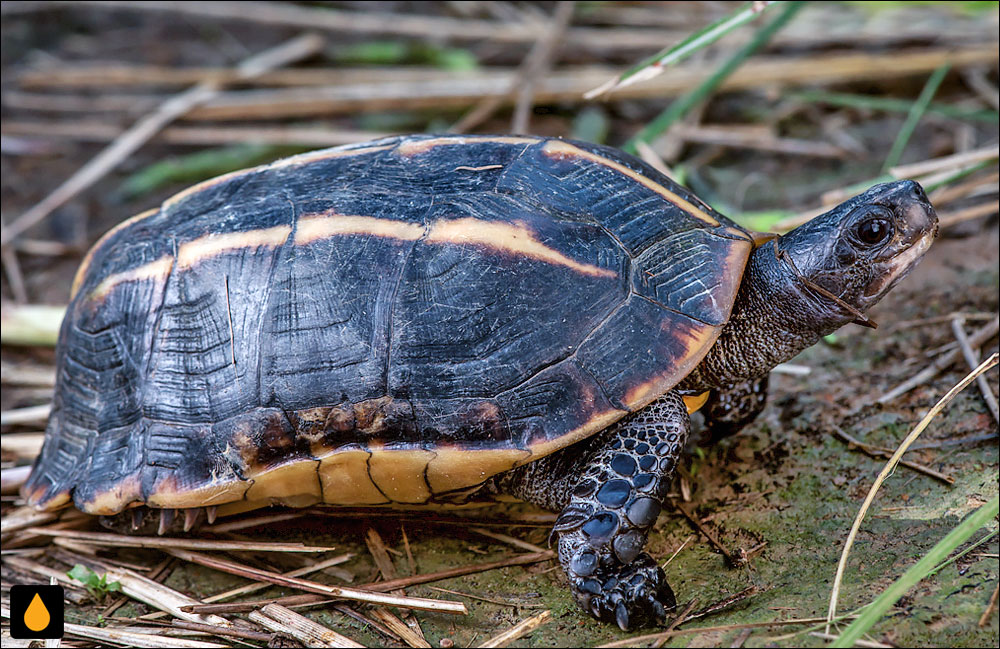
{"x": 631, "y": 596}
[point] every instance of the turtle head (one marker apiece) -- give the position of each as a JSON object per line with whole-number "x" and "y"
{"x": 817, "y": 278}
{"x": 849, "y": 257}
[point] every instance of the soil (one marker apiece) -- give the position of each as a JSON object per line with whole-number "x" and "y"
{"x": 785, "y": 491}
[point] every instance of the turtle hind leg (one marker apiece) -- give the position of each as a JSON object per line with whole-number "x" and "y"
{"x": 610, "y": 490}
{"x": 733, "y": 406}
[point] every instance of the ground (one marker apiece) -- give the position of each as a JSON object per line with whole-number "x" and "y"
{"x": 785, "y": 491}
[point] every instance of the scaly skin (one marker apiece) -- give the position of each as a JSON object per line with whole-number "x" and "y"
{"x": 610, "y": 490}
{"x": 733, "y": 406}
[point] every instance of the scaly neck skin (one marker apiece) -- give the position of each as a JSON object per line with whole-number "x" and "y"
{"x": 775, "y": 316}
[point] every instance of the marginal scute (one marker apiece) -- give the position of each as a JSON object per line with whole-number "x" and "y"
{"x": 169, "y": 493}
{"x": 454, "y": 468}
{"x": 345, "y": 479}
{"x": 294, "y": 483}
{"x": 399, "y": 473}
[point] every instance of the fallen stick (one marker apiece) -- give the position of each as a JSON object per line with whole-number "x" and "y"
{"x": 944, "y": 361}
{"x": 293, "y": 50}
{"x": 282, "y": 620}
{"x": 403, "y": 582}
{"x": 443, "y": 606}
{"x": 564, "y": 86}
{"x": 125, "y": 541}
{"x": 972, "y": 358}
{"x": 131, "y": 638}
{"x": 93, "y": 131}
{"x": 884, "y": 453}
{"x": 518, "y": 631}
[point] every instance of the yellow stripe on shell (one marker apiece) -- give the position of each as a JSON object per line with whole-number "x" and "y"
{"x": 88, "y": 258}
{"x": 510, "y": 238}
{"x": 212, "y": 245}
{"x": 560, "y": 149}
{"x": 596, "y": 423}
{"x": 458, "y": 468}
{"x": 697, "y": 347}
{"x": 416, "y": 147}
{"x": 120, "y": 495}
{"x": 154, "y": 270}
{"x": 312, "y": 156}
{"x": 325, "y": 154}
{"x": 331, "y": 224}
{"x": 399, "y": 473}
{"x": 344, "y": 478}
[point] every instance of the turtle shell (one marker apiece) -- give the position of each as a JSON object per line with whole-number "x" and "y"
{"x": 393, "y": 322}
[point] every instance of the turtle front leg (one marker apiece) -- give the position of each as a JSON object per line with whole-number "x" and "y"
{"x": 733, "y": 406}
{"x": 610, "y": 490}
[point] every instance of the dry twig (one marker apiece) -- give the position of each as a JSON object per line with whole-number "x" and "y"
{"x": 972, "y": 358}
{"x": 298, "y": 48}
{"x": 518, "y": 630}
{"x": 977, "y": 339}
{"x": 370, "y": 596}
{"x": 125, "y": 541}
{"x": 887, "y": 470}
{"x": 885, "y": 453}
{"x": 280, "y": 619}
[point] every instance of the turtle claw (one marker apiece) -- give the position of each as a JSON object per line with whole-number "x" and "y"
{"x": 190, "y": 518}
{"x": 166, "y": 520}
{"x": 631, "y": 596}
{"x": 621, "y": 616}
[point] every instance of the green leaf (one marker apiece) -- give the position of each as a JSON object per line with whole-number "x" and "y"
{"x": 916, "y": 113}
{"x": 84, "y": 575}
{"x": 200, "y": 166}
{"x": 97, "y": 585}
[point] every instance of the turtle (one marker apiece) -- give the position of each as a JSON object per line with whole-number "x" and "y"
{"x": 432, "y": 319}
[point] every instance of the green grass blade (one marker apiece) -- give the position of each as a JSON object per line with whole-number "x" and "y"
{"x": 892, "y": 105}
{"x": 682, "y": 105}
{"x": 929, "y": 562}
{"x": 916, "y": 113}
{"x": 652, "y": 66}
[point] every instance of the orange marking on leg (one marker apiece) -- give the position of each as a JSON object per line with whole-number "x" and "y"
{"x": 695, "y": 402}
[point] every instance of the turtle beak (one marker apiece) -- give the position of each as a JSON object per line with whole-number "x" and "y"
{"x": 916, "y": 228}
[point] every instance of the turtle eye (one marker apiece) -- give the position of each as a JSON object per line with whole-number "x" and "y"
{"x": 873, "y": 231}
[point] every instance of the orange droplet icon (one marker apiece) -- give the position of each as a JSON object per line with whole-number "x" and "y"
{"x": 37, "y": 617}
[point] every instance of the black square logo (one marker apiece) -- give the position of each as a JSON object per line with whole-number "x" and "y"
{"x": 36, "y": 612}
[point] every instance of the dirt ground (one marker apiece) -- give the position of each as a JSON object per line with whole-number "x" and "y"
{"x": 784, "y": 491}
